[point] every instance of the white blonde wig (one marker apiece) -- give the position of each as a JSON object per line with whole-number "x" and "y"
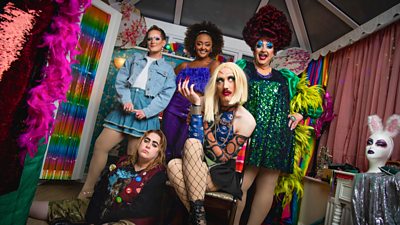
{"x": 211, "y": 100}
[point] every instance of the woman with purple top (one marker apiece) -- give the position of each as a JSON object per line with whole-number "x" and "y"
{"x": 204, "y": 41}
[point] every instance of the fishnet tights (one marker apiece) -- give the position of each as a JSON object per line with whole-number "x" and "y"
{"x": 189, "y": 176}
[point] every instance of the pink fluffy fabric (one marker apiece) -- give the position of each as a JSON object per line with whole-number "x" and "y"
{"x": 326, "y": 117}
{"x": 62, "y": 44}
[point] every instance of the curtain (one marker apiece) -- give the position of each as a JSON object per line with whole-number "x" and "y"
{"x": 363, "y": 80}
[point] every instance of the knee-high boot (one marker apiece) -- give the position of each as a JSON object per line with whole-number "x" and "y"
{"x": 197, "y": 213}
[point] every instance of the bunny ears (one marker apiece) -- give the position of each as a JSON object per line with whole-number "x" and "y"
{"x": 392, "y": 124}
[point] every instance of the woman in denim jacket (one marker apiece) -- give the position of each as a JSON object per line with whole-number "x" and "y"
{"x": 145, "y": 85}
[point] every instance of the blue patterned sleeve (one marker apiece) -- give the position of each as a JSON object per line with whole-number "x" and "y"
{"x": 196, "y": 129}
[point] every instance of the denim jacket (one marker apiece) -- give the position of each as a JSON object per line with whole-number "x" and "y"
{"x": 160, "y": 83}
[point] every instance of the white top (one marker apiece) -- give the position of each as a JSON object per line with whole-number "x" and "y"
{"x": 141, "y": 80}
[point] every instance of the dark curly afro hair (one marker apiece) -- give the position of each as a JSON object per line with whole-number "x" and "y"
{"x": 204, "y": 28}
{"x": 269, "y": 23}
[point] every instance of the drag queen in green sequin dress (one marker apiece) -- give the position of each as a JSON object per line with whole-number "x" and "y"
{"x": 271, "y": 102}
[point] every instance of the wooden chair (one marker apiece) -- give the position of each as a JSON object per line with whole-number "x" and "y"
{"x": 220, "y": 206}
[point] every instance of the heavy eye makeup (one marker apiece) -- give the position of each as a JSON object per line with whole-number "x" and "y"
{"x": 229, "y": 78}
{"x": 269, "y": 45}
{"x": 155, "y": 38}
{"x": 381, "y": 143}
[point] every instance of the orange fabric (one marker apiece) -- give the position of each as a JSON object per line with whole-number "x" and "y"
{"x": 240, "y": 159}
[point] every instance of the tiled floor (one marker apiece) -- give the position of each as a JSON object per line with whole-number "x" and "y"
{"x": 55, "y": 190}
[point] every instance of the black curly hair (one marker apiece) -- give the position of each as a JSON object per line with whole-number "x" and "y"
{"x": 204, "y": 27}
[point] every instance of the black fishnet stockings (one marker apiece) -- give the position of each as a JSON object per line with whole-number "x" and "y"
{"x": 189, "y": 175}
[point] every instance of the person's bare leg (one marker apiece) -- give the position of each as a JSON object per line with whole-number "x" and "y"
{"x": 104, "y": 143}
{"x": 175, "y": 176}
{"x": 39, "y": 210}
{"x": 264, "y": 195}
{"x": 133, "y": 144}
{"x": 250, "y": 173}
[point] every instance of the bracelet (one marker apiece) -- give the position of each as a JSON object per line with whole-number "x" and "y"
{"x": 195, "y": 110}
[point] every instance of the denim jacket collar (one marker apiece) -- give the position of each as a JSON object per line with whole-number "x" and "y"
{"x": 158, "y": 61}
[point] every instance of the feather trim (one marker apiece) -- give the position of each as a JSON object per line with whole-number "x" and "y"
{"x": 307, "y": 99}
{"x": 289, "y": 183}
{"x": 61, "y": 42}
{"x": 197, "y": 75}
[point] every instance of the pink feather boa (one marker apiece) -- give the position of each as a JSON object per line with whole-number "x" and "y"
{"x": 62, "y": 44}
{"x": 326, "y": 117}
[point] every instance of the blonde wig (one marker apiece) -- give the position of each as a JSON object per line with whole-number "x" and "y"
{"x": 211, "y": 100}
{"x": 160, "y": 159}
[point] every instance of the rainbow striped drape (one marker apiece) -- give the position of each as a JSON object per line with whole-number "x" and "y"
{"x": 64, "y": 142}
{"x": 317, "y": 74}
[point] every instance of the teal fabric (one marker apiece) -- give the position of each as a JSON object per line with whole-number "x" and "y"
{"x": 241, "y": 63}
{"x": 14, "y": 206}
{"x": 292, "y": 79}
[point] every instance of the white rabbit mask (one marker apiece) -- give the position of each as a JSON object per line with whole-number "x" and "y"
{"x": 380, "y": 143}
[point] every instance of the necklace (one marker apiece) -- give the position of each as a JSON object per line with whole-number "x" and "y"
{"x": 224, "y": 126}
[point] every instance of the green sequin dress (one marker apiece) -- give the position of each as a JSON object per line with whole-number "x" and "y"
{"x": 272, "y": 142}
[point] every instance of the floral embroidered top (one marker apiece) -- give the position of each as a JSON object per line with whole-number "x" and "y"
{"x": 127, "y": 194}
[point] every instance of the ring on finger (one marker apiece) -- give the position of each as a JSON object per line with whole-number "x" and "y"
{"x": 293, "y": 118}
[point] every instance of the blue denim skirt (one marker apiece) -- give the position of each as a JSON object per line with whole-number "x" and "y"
{"x": 126, "y": 122}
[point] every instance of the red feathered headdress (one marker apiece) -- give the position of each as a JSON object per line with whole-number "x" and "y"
{"x": 270, "y": 23}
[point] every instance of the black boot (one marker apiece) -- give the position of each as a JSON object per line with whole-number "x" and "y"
{"x": 197, "y": 213}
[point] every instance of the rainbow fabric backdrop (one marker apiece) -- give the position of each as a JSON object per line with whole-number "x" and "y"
{"x": 317, "y": 74}
{"x": 64, "y": 142}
